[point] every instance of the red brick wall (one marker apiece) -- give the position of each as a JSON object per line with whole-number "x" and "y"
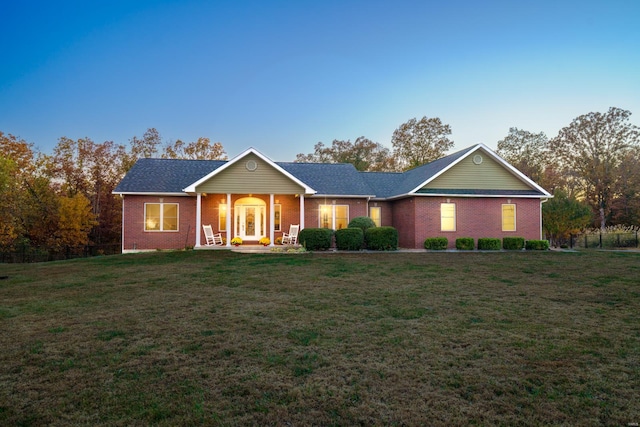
{"x": 415, "y": 218}
{"x": 475, "y": 217}
{"x": 357, "y": 207}
{"x": 404, "y": 219}
{"x": 134, "y": 236}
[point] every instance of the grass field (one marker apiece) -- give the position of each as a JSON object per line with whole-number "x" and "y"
{"x": 219, "y": 338}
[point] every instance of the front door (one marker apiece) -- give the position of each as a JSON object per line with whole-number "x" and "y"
{"x": 249, "y": 222}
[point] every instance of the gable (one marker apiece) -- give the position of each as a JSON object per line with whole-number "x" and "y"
{"x": 469, "y": 175}
{"x": 250, "y": 174}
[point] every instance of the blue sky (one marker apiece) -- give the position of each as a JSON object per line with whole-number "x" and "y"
{"x": 282, "y": 75}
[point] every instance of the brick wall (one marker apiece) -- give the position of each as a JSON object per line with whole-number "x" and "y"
{"x": 475, "y": 217}
{"x": 136, "y": 238}
{"x": 357, "y": 207}
{"x": 415, "y": 218}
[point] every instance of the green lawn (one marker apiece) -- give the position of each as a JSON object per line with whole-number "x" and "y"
{"x": 213, "y": 337}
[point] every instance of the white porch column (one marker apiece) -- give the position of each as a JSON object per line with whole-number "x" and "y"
{"x": 198, "y": 218}
{"x": 228, "y": 225}
{"x": 272, "y": 218}
{"x": 301, "y": 211}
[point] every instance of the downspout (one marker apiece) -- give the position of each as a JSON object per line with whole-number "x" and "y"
{"x": 122, "y": 225}
{"x": 541, "y": 202}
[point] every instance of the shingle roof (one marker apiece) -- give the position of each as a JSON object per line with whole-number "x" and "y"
{"x": 165, "y": 175}
{"x": 330, "y": 178}
{"x": 336, "y": 179}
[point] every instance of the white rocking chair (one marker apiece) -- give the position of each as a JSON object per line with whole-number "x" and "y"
{"x": 210, "y": 238}
{"x": 291, "y": 238}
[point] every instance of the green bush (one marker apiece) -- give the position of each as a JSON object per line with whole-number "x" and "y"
{"x": 350, "y": 239}
{"x": 382, "y": 238}
{"x": 488, "y": 244}
{"x": 513, "y": 243}
{"x": 465, "y": 243}
{"x": 436, "y": 243}
{"x": 537, "y": 245}
{"x": 361, "y": 222}
{"x": 316, "y": 239}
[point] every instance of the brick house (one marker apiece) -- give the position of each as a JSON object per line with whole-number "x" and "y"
{"x": 470, "y": 193}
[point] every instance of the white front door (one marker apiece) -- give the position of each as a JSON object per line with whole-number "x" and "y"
{"x": 250, "y": 222}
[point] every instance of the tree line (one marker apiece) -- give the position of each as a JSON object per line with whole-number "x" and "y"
{"x": 592, "y": 166}
{"x": 62, "y": 199}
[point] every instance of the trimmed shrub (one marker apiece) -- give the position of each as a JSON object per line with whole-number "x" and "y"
{"x": 537, "y": 245}
{"x": 436, "y": 243}
{"x": 361, "y": 222}
{"x": 488, "y": 244}
{"x": 316, "y": 239}
{"x": 382, "y": 238}
{"x": 465, "y": 243}
{"x": 513, "y": 243}
{"x": 349, "y": 239}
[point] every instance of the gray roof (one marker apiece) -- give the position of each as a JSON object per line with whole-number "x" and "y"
{"x": 165, "y": 175}
{"x": 155, "y": 176}
{"x": 330, "y": 178}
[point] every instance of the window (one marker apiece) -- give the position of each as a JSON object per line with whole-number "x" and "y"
{"x": 448, "y": 216}
{"x": 222, "y": 217}
{"x": 277, "y": 212}
{"x": 509, "y": 217}
{"x": 375, "y": 213}
{"x": 334, "y": 216}
{"x": 160, "y": 217}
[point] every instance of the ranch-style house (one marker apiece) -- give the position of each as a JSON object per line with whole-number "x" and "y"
{"x": 470, "y": 193}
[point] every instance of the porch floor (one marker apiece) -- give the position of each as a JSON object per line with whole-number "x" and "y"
{"x": 249, "y": 249}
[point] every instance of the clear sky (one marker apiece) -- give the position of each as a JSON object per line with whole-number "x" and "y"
{"x": 282, "y": 75}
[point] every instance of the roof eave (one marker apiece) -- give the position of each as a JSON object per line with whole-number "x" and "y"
{"x": 149, "y": 193}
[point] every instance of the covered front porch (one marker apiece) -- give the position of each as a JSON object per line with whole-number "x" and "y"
{"x": 248, "y": 216}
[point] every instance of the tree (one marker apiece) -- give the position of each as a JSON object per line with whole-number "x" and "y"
{"x": 562, "y": 216}
{"x": 141, "y": 148}
{"x": 92, "y": 170}
{"x": 591, "y": 148}
{"x": 526, "y": 151}
{"x": 16, "y": 166}
{"x": 417, "y": 142}
{"x": 202, "y": 149}
{"x": 75, "y": 221}
{"x": 626, "y": 203}
{"x": 364, "y": 154}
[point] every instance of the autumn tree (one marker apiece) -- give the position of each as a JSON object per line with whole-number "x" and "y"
{"x": 417, "y": 142}
{"x": 363, "y": 153}
{"x": 202, "y": 149}
{"x": 16, "y": 166}
{"x": 75, "y": 221}
{"x": 626, "y": 201}
{"x": 563, "y": 216}
{"x": 144, "y": 147}
{"x": 592, "y": 149}
{"x": 92, "y": 170}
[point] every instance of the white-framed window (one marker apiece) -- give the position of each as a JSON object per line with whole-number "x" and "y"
{"x": 222, "y": 217}
{"x": 448, "y": 216}
{"x": 277, "y": 216}
{"x": 375, "y": 213}
{"x": 160, "y": 217}
{"x": 509, "y": 217}
{"x": 334, "y": 216}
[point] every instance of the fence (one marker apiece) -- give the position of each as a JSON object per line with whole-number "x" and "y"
{"x": 26, "y": 253}
{"x": 605, "y": 240}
